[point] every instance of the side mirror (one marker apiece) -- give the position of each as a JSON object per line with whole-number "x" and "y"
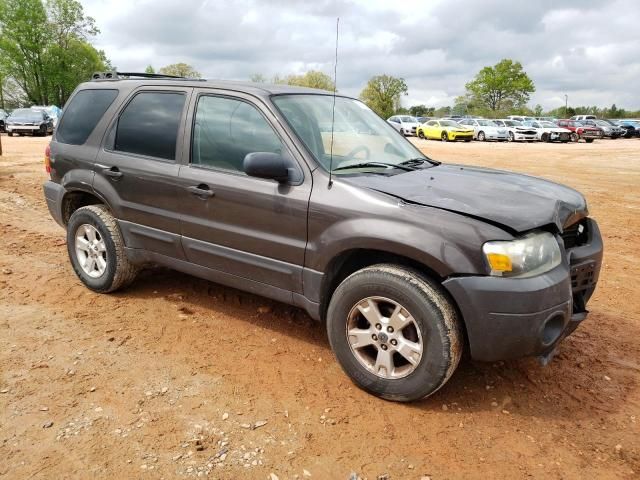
{"x": 266, "y": 165}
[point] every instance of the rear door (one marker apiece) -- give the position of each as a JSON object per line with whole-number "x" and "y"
{"x": 248, "y": 227}
{"x": 137, "y": 170}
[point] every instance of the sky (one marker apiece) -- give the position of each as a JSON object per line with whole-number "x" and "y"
{"x": 587, "y": 49}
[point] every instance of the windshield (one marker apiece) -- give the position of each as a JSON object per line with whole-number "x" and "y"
{"x": 512, "y": 123}
{"x": 26, "y": 114}
{"x": 449, "y": 123}
{"x": 364, "y": 138}
{"x": 409, "y": 119}
{"x": 486, "y": 123}
{"x": 548, "y": 124}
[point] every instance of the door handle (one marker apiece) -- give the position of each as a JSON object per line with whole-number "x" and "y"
{"x": 203, "y": 191}
{"x": 113, "y": 172}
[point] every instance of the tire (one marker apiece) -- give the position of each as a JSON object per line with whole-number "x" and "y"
{"x": 421, "y": 134}
{"x": 481, "y": 136}
{"x": 467, "y": 140}
{"x": 118, "y": 271}
{"x": 43, "y": 131}
{"x": 574, "y": 137}
{"x": 444, "y": 137}
{"x": 545, "y": 137}
{"x": 402, "y": 132}
{"x": 588, "y": 140}
{"x": 433, "y": 325}
{"x": 10, "y": 134}
{"x": 512, "y": 137}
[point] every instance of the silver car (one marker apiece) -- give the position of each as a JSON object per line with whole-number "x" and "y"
{"x": 405, "y": 124}
{"x": 485, "y": 129}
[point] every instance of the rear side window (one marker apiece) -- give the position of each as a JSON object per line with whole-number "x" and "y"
{"x": 82, "y": 115}
{"x": 149, "y": 125}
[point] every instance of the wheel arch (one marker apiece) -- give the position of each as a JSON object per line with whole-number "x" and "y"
{"x": 75, "y": 198}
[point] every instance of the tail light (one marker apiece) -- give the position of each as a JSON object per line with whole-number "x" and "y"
{"x": 47, "y": 159}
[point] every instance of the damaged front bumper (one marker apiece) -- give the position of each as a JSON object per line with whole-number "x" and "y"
{"x": 516, "y": 317}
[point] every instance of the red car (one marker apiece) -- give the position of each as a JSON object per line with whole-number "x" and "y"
{"x": 580, "y": 130}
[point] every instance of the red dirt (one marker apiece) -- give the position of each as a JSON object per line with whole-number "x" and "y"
{"x": 139, "y": 384}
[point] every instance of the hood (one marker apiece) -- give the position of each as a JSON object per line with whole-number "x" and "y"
{"x": 517, "y": 202}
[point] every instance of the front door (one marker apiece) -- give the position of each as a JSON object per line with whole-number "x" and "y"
{"x": 248, "y": 227}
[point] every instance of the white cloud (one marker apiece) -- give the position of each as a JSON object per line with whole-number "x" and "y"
{"x": 589, "y": 52}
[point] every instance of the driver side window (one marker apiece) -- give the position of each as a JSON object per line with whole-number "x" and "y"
{"x": 225, "y": 130}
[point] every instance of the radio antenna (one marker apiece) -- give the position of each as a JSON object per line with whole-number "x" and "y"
{"x": 333, "y": 109}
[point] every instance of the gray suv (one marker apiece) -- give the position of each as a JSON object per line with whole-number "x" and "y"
{"x": 407, "y": 261}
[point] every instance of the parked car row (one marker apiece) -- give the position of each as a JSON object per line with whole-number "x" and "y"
{"x": 514, "y": 128}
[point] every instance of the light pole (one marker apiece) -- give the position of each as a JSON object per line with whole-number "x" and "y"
{"x": 566, "y": 103}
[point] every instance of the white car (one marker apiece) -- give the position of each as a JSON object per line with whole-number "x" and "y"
{"x": 485, "y": 129}
{"x": 518, "y": 132}
{"x": 550, "y": 132}
{"x": 405, "y": 124}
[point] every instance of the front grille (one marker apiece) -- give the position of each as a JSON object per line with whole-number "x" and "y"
{"x": 575, "y": 235}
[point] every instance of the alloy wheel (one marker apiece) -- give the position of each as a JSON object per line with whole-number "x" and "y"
{"x": 91, "y": 250}
{"x": 384, "y": 337}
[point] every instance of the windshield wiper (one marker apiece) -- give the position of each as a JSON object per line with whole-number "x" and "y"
{"x": 376, "y": 164}
{"x": 419, "y": 161}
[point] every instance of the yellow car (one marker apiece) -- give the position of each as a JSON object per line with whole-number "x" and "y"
{"x": 445, "y": 130}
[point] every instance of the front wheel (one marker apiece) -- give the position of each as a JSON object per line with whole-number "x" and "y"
{"x": 481, "y": 136}
{"x": 421, "y": 134}
{"x": 395, "y": 332}
{"x": 574, "y": 137}
{"x": 545, "y": 137}
{"x": 96, "y": 250}
{"x": 512, "y": 137}
{"x": 444, "y": 137}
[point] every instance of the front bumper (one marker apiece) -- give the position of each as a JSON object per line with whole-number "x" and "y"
{"x": 22, "y": 128}
{"x": 517, "y": 317}
{"x": 460, "y": 136}
{"x": 524, "y": 137}
{"x": 496, "y": 136}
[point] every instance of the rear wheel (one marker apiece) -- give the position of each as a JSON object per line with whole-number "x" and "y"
{"x": 481, "y": 136}
{"x": 394, "y": 332}
{"x": 444, "y": 137}
{"x": 96, "y": 250}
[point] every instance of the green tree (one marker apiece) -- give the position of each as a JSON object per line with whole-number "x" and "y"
{"x": 538, "y": 110}
{"x": 44, "y": 48}
{"x": 382, "y": 94}
{"x": 149, "y": 69}
{"x": 257, "y": 78}
{"x": 506, "y": 82}
{"x": 421, "y": 111}
{"x": 311, "y": 79}
{"x": 180, "y": 70}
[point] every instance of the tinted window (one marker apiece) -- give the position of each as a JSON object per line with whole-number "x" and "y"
{"x": 149, "y": 125}
{"x": 226, "y": 130}
{"x": 82, "y": 115}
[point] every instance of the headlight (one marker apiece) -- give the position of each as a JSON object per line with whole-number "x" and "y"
{"x": 530, "y": 255}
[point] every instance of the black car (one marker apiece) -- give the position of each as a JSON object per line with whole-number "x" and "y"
{"x": 632, "y": 129}
{"x": 3, "y": 117}
{"x": 406, "y": 261}
{"x": 26, "y": 120}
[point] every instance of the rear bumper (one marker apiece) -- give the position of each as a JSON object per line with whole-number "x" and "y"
{"x": 53, "y": 193}
{"x": 508, "y": 317}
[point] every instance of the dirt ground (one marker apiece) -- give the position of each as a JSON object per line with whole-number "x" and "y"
{"x": 176, "y": 376}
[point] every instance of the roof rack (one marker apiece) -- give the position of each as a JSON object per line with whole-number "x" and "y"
{"x": 123, "y": 75}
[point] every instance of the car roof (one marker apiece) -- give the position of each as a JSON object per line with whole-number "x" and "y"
{"x": 256, "y": 89}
